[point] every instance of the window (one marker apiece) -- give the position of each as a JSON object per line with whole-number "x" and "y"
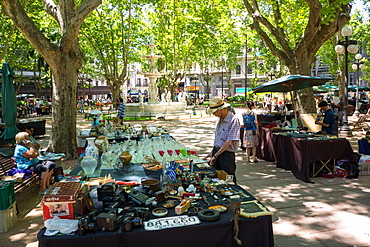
{"x": 238, "y": 69}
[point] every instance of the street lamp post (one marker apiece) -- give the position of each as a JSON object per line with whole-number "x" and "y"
{"x": 343, "y": 47}
{"x": 89, "y": 80}
{"x": 357, "y": 66}
{"x": 222, "y": 79}
{"x": 246, "y": 69}
{"x": 195, "y": 81}
{"x": 271, "y": 76}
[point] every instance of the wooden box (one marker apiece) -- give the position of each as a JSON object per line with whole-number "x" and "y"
{"x": 63, "y": 200}
{"x": 221, "y": 174}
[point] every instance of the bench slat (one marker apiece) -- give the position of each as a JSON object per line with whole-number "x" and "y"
{"x": 6, "y": 164}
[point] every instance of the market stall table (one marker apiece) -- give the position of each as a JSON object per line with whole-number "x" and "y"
{"x": 37, "y": 125}
{"x": 297, "y": 154}
{"x": 265, "y": 148}
{"x": 57, "y": 158}
{"x": 252, "y": 231}
{"x": 302, "y": 153}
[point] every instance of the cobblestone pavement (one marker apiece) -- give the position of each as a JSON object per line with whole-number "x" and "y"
{"x": 330, "y": 212}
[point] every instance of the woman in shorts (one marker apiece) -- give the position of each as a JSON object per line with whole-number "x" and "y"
{"x": 25, "y": 156}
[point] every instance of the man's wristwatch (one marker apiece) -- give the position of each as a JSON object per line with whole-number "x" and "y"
{"x": 214, "y": 156}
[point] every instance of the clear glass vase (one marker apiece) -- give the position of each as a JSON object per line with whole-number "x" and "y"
{"x": 89, "y": 164}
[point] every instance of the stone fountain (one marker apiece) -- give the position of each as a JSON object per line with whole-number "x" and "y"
{"x": 153, "y": 75}
{"x": 154, "y": 107}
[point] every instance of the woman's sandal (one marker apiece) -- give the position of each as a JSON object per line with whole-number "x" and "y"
{"x": 43, "y": 193}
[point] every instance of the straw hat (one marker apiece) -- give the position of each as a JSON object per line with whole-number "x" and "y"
{"x": 216, "y": 104}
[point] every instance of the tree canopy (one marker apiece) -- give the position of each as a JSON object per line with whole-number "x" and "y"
{"x": 107, "y": 38}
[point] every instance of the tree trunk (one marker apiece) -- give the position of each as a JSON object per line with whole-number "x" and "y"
{"x": 63, "y": 134}
{"x": 64, "y": 59}
{"x": 303, "y": 99}
{"x": 115, "y": 88}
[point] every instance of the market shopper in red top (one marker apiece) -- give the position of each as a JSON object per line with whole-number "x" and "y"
{"x": 227, "y": 132}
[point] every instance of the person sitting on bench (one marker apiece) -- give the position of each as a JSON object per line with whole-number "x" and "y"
{"x": 25, "y": 156}
{"x": 30, "y": 130}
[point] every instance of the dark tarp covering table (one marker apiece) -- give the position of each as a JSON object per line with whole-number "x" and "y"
{"x": 253, "y": 232}
{"x": 38, "y": 126}
{"x": 265, "y": 149}
{"x": 296, "y": 154}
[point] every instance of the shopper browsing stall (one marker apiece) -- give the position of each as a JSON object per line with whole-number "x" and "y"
{"x": 341, "y": 110}
{"x": 250, "y": 138}
{"x": 329, "y": 119}
{"x": 25, "y": 156}
{"x": 226, "y": 141}
{"x": 121, "y": 109}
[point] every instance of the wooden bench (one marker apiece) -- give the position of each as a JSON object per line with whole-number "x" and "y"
{"x": 22, "y": 184}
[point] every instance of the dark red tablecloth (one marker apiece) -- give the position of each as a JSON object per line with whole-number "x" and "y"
{"x": 265, "y": 149}
{"x": 296, "y": 155}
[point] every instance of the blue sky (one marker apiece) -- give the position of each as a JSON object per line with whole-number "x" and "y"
{"x": 358, "y": 5}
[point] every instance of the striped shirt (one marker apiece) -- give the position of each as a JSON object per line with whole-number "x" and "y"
{"x": 121, "y": 111}
{"x": 227, "y": 129}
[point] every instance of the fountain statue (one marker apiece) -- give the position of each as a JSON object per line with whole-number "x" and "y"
{"x": 168, "y": 96}
{"x": 156, "y": 104}
{"x": 153, "y": 74}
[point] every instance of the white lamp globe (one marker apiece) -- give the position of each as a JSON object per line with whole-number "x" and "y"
{"x": 352, "y": 49}
{"x": 354, "y": 66}
{"x": 358, "y": 56}
{"x": 362, "y": 66}
{"x": 346, "y": 31}
{"x": 339, "y": 49}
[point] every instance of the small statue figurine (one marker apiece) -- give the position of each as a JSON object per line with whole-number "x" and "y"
{"x": 168, "y": 96}
{"x": 163, "y": 98}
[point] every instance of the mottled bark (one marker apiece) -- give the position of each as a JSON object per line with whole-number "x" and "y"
{"x": 64, "y": 59}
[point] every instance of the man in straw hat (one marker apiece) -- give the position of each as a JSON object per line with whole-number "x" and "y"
{"x": 226, "y": 142}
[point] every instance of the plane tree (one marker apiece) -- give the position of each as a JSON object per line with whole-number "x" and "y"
{"x": 112, "y": 38}
{"x": 64, "y": 58}
{"x": 294, "y": 31}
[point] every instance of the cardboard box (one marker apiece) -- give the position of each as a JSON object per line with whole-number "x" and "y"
{"x": 63, "y": 192}
{"x": 63, "y": 210}
{"x": 64, "y": 200}
{"x": 8, "y": 218}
